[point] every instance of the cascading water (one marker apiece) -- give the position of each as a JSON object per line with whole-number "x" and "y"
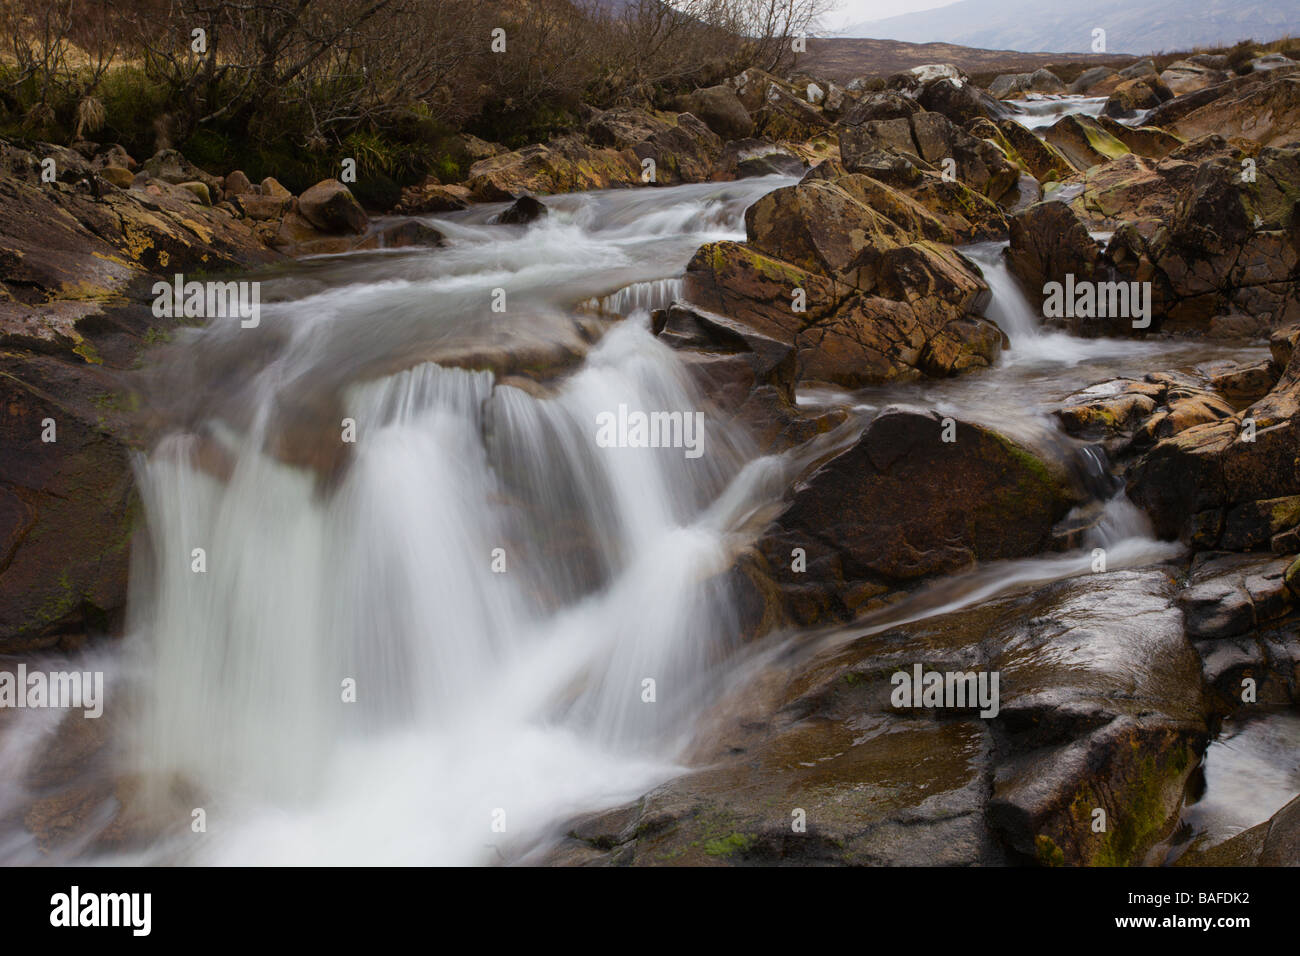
{"x": 495, "y": 588}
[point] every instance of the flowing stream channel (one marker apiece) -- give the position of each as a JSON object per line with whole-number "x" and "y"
{"x": 489, "y": 585}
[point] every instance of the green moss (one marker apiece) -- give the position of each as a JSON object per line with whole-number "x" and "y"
{"x": 1103, "y": 142}
{"x": 729, "y": 844}
{"x": 1143, "y": 817}
{"x": 1047, "y": 852}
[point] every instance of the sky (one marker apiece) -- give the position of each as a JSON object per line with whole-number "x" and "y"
{"x": 849, "y": 12}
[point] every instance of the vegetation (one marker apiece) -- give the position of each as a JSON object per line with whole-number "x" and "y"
{"x": 285, "y": 87}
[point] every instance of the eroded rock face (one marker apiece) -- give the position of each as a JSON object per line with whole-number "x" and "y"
{"x": 1100, "y": 709}
{"x": 1049, "y": 242}
{"x": 744, "y": 158}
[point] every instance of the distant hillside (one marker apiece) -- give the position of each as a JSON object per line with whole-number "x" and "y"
{"x": 1132, "y": 26}
{"x": 843, "y": 58}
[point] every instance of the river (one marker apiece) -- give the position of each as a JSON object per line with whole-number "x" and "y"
{"x": 430, "y": 644}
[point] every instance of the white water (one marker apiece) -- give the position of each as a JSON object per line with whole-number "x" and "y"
{"x": 480, "y": 695}
{"x": 1040, "y": 112}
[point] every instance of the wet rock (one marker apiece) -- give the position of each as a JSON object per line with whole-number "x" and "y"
{"x": 1012, "y": 85}
{"x": 410, "y": 233}
{"x": 1100, "y": 709}
{"x": 1148, "y": 141}
{"x": 1230, "y": 595}
{"x": 884, "y": 512}
{"x": 881, "y": 312}
{"x": 1048, "y": 244}
{"x": 524, "y": 210}
{"x": 433, "y": 197}
{"x": 72, "y": 265}
{"x": 1199, "y": 483}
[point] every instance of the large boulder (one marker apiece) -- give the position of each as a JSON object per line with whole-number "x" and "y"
{"x": 920, "y": 316}
{"x": 682, "y": 148}
{"x": 1135, "y": 95}
{"x": 916, "y": 495}
{"x": 1011, "y": 85}
{"x": 1098, "y": 81}
{"x": 785, "y": 116}
{"x": 1040, "y": 159}
{"x": 721, "y": 110}
{"x": 1048, "y": 244}
{"x": 744, "y": 158}
{"x": 885, "y": 105}
{"x": 331, "y": 208}
{"x": 1184, "y": 76}
{"x": 1149, "y": 141}
{"x": 1234, "y": 245}
{"x": 959, "y": 100}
